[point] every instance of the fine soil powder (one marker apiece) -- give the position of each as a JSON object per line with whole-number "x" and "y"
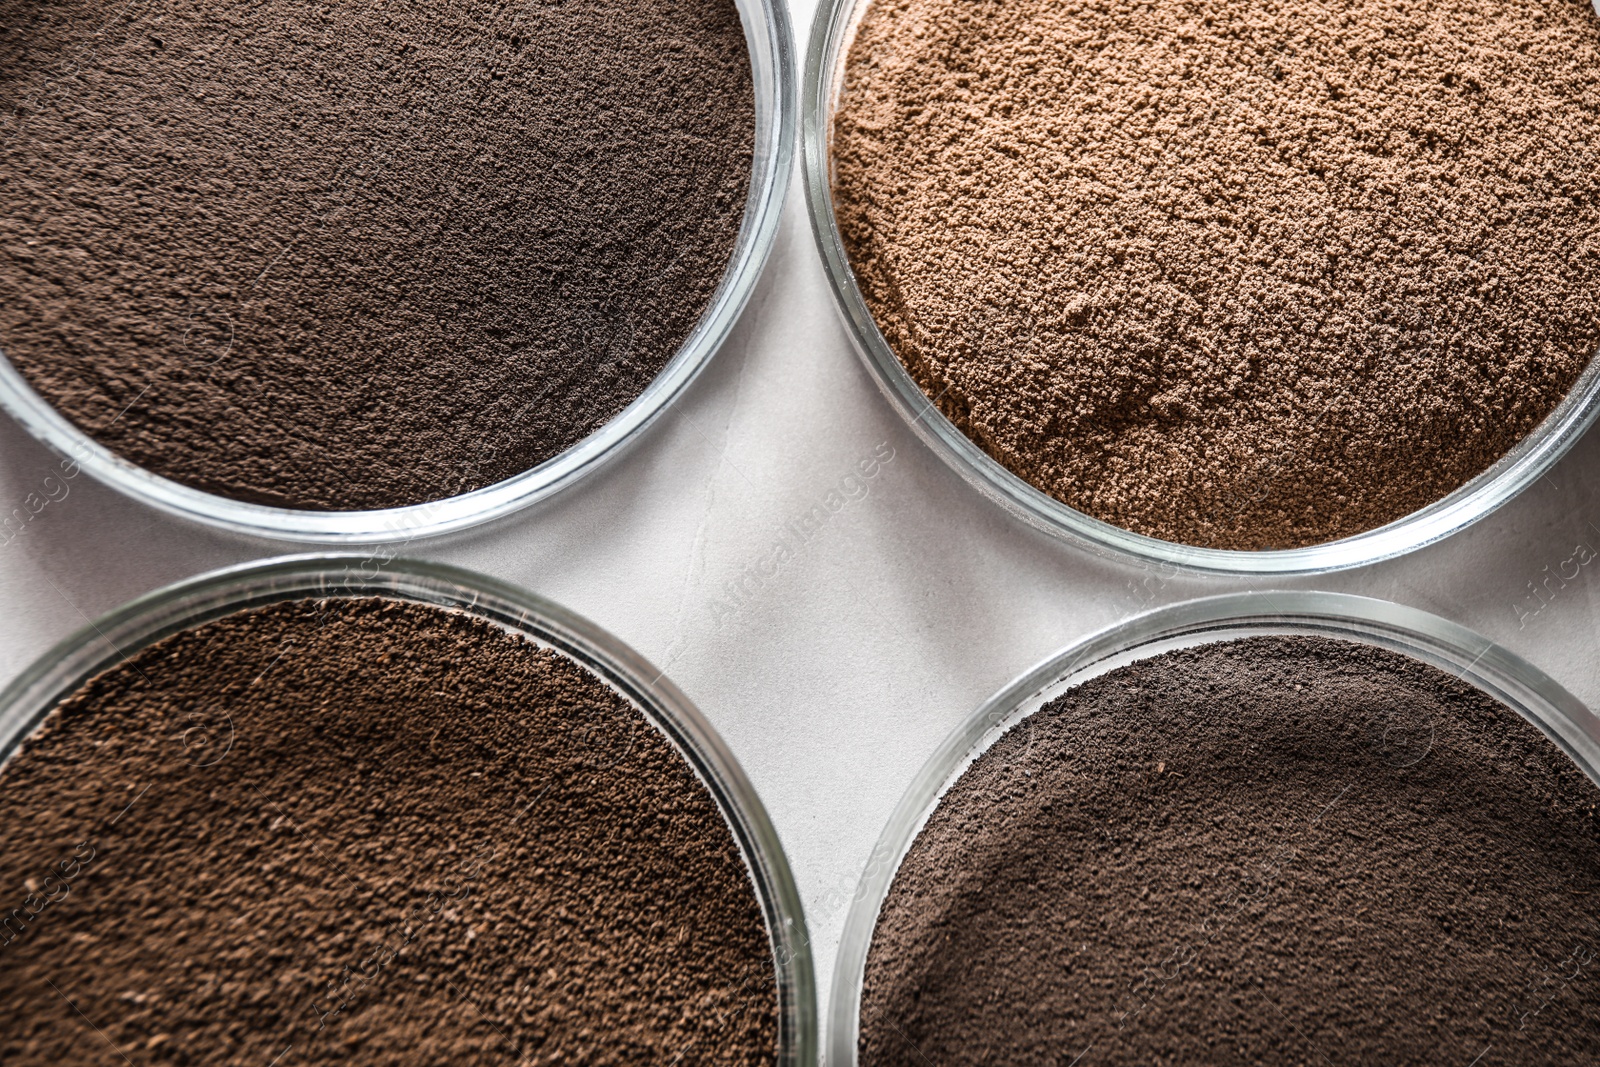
{"x": 1275, "y": 850}
{"x": 360, "y": 831}
{"x": 361, "y": 255}
{"x": 1247, "y": 274}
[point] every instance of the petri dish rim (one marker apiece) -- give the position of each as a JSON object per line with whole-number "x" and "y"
{"x": 112, "y": 638}
{"x": 770, "y": 41}
{"x": 832, "y": 31}
{"x": 1453, "y": 648}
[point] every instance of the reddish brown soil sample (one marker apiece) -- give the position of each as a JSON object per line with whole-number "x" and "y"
{"x": 367, "y": 832}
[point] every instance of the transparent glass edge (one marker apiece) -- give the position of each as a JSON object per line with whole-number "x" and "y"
{"x": 771, "y": 46}
{"x": 184, "y": 605}
{"x": 1531, "y": 458}
{"x": 1473, "y": 658}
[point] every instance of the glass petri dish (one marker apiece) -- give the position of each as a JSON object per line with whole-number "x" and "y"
{"x": 1443, "y": 644}
{"x": 112, "y": 638}
{"x": 771, "y": 46}
{"x": 831, "y": 34}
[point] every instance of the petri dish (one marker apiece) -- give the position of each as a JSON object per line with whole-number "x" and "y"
{"x": 1453, "y": 649}
{"x": 110, "y": 640}
{"x": 831, "y": 34}
{"x": 771, "y": 51}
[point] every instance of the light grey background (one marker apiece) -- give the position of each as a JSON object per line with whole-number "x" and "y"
{"x": 833, "y": 681}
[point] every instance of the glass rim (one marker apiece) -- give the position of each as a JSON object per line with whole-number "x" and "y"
{"x": 831, "y": 33}
{"x": 1423, "y": 636}
{"x": 770, "y": 40}
{"x": 111, "y": 638}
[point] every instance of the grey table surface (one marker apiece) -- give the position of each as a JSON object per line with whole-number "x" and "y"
{"x": 834, "y": 680}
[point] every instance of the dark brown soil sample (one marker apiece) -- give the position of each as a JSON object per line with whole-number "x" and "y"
{"x": 1278, "y": 850}
{"x": 1251, "y": 275}
{"x": 361, "y": 255}
{"x": 372, "y": 833}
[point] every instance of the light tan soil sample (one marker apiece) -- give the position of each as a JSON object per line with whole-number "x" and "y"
{"x": 1251, "y": 275}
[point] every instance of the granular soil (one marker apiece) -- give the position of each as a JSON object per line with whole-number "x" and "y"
{"x": 1249, "y": 275}
{"x": 1277, "y": 850}
{"x": 361, "y": 255}
{"x": 369, "y": 832}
